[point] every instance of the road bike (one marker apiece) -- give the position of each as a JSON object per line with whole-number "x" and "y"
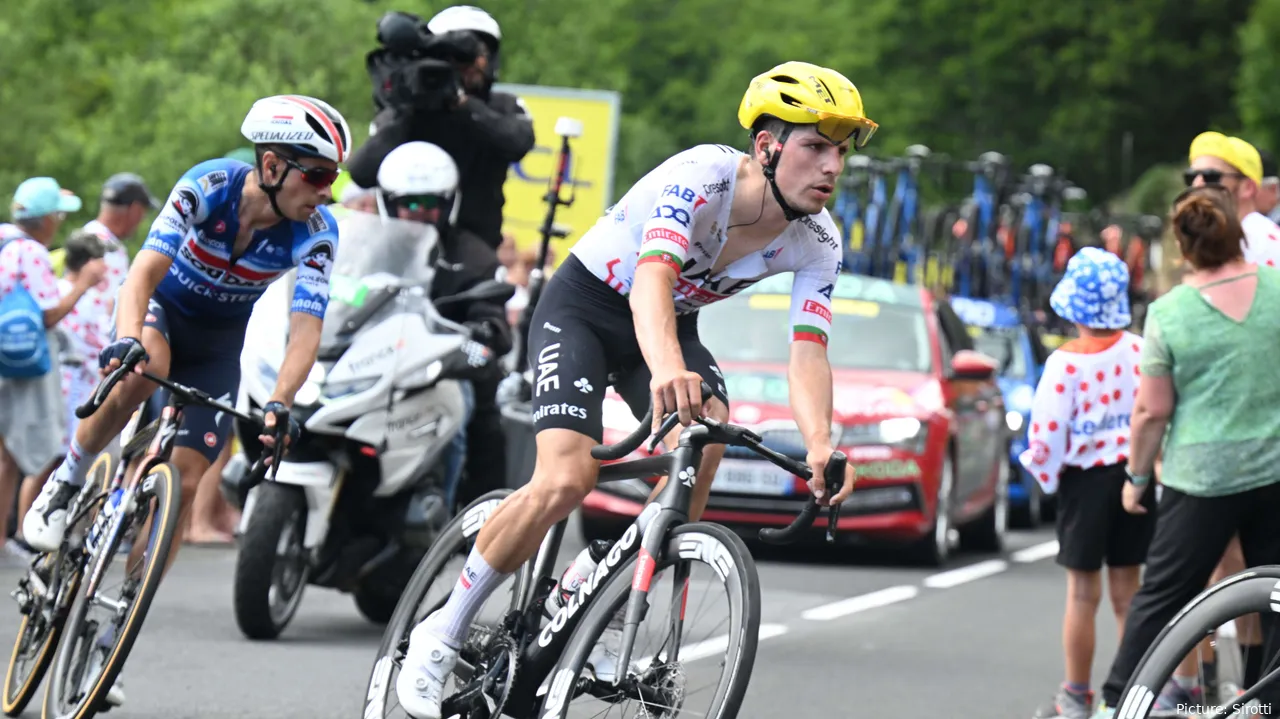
{"x": 1254, "y": 590}
{"x": 116, "y": 508}
{"x": 516, "y": 665}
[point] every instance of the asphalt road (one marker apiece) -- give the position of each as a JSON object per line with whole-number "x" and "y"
{"x": 842, "y": 636}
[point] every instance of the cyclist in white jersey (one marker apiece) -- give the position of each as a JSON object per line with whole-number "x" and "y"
{"x": 700, "y": 227}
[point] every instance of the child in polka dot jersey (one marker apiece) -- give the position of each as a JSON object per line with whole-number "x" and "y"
{"x": 1077, "y": 449}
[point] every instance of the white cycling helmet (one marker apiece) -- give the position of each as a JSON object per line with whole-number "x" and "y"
{"x": 417, "y": 169}
{"x": 310, "y": 126}
{"x": 466, "y": 17}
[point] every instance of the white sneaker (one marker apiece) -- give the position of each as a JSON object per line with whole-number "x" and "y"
{"x": 427, "y": 665}
{"x": 608, "y": 651}
{"x": 45, "y": 524}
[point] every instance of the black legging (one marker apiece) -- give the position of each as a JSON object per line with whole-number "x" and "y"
{"x": 1191, "y": 535}
{"x": 486, "y": 445}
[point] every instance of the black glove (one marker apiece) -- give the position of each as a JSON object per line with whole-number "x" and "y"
{"x": 279, "y": 410}
{"x": 489, "y": 334}
{"x": 117, "y": 351}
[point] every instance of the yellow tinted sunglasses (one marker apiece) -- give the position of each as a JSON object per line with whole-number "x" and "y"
{"x": 838, "y": 128}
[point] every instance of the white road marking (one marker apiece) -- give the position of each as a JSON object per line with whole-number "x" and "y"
{"x": 1036, "y": 552}
{"x": 713, "y": 647}
{"x": 860, "y": 603}
{"x": 955, "y": 577}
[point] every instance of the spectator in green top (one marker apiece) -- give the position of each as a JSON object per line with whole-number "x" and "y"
{"x": 1208, "y": 378}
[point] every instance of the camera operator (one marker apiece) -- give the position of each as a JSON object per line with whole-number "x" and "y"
{"x": 434, "y": 84}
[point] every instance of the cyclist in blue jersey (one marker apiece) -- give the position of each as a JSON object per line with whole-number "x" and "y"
{"x": 227, "y": 231}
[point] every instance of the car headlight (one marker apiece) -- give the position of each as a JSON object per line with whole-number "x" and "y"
{"x": 616, "y": 415}
{"x": 1014, "y": 420}
{"x": 1021, "y": 398}
{"x": 900, "y": 429}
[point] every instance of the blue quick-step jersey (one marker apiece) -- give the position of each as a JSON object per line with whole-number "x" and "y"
{"x": 197, "y": 229}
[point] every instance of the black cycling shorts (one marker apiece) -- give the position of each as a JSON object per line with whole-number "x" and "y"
{"x": 204, "y": 354}
{"x": 581, "y": 334}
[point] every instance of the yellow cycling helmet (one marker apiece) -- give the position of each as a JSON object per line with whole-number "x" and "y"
{"x": 804, "y": 94}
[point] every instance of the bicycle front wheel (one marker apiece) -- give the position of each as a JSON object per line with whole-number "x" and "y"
{"x": 46, "y": 614}
{"x": 101, "y": 629}
{"x": 673, "y": 669}
{"x": 1236, "y": 596}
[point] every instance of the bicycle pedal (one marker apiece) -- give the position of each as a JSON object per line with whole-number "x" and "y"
{"x": 23, "y": 598}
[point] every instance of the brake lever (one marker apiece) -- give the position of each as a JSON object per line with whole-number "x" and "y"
{"x": 833, "y": 481}
{"x": 663, "y": 430}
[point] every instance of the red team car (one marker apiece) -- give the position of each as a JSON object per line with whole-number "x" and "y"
{"x": 916, "y": 409}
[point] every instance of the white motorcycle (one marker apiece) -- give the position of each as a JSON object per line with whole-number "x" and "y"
{"x": 362, "y": 494}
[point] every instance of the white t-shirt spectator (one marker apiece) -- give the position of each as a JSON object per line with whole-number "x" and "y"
{"x": 117, "y": 261}
{"x": 1081, "y": 412}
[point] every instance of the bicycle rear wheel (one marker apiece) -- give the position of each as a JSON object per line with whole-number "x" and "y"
{"x": 657, "y": 682}
{"x": 1236, "y": 596}
{"x": 93, "y": 651}
{"x": 438, "y": 570}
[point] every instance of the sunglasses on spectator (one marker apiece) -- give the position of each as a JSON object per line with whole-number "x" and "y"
{"x": 1212, "y": 177}
{"x": 1207, "y": 188}
{"x": 318, "y": 177}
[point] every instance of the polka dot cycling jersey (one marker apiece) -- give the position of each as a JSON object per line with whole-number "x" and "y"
{"x": 678, "y": 215}
{"x": 197, "y": 229}
{"x": 1081, "y": 412}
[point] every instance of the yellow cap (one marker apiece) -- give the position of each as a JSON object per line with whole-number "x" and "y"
{"x": 1232, "y": 150}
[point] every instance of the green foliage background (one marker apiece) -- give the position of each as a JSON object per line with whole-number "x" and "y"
{"x": 153, "y": 86}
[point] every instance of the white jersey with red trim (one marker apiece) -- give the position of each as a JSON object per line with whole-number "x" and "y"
{"x": 678, "y": 215}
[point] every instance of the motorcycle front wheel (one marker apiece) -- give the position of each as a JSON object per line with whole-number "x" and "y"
{"x": 272, "y": 567}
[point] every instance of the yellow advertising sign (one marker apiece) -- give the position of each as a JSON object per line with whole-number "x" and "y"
{"x": 591, "y": 171}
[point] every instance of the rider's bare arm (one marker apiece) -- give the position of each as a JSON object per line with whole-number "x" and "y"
{"x": 809, "y": 371}
{"x": 299, "y": 356}
{"x": 654, "y": 311}
{"x": 809, "y": 375}
{"x": 310, "y": 300}
{"x": 148, "y": 269}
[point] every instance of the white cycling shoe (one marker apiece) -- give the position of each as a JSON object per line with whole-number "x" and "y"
{"x": 427, "y": 665}
{"x": 46, "y": 523}
{"x": 607, "y": 652}
{"x": 115, "y": 695}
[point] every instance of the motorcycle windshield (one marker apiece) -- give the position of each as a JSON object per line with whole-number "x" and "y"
{"x": 376, "y": 258}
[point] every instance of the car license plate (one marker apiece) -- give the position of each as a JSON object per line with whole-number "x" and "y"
{"x": 744, "y": 476}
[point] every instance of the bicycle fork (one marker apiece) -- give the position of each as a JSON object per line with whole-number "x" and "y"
{"x": 652, "y": 545}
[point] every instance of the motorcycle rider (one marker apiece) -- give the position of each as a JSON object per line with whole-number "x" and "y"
{"x": 418, "y": 181}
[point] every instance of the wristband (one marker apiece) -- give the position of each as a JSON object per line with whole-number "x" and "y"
{"x": 1137, "y": 480}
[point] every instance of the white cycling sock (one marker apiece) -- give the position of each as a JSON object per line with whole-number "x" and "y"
{"x": 475, "y": 584}
{"x": 66, "y": 471}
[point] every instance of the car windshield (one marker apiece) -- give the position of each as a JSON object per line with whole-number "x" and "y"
{"x": 865, "y": 334}
{"x": 1004, "y": 344}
